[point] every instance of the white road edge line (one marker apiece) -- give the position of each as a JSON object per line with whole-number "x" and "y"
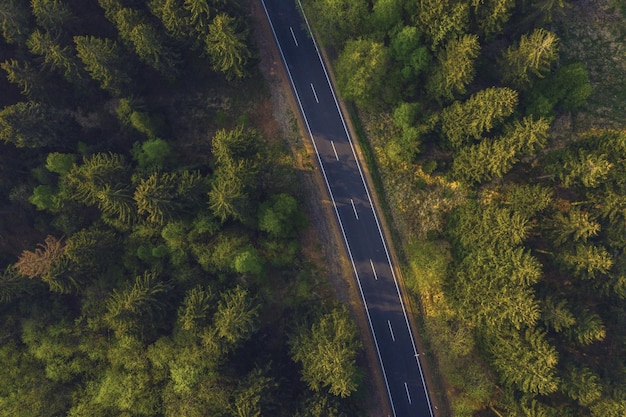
{"x": 354, "y": 208}
{"x": 319, "y": 159}
{"x": 294, "y": 36}
{"x": 406, "y": 387}
{"x": 314, "y": 93}
{"x": 391, "y": 331}
{"x": 374, "y": 270}
{"x": 335, "y": 150}
{"x": 375, "y": 218}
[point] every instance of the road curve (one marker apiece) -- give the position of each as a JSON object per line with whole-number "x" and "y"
{"x": 356, "y": 214}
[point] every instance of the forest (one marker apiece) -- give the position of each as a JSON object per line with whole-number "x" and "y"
{"x": 505, "y": 181}
{"x": 151, "y": 251}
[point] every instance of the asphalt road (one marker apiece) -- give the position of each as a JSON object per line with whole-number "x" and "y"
{"x": 358, "y": 221}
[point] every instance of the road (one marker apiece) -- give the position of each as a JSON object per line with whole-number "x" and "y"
{"x": 355, "y": 212}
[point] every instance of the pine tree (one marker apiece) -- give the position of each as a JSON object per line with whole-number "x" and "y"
{"x": 60, "y": 58}
{"x": 14, "y": 20}
{"x": 103, "y": 60}
{"x": 53, "y": 15}
{"x": 442, "y": 20}
{"x": 227, "y": 47}
{"x": 327, "y": 351}
{"x": 533, "y": 55}
{"x": 193, "y": 314}
{"x": 526, "y": 361}
{"x": 236, "y": 317}
{"x": 464, "y": 121}
{"x": 455, "y": 69}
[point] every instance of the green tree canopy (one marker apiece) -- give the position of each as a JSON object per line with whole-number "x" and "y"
{"x": 227, "y": 48}
{"x": 533, "y": 55}
{"x": 361, "y": 70}
{"x": 463, "y": 121}
{"x": 327, "y": 351}
{"x": 455, "y": 69}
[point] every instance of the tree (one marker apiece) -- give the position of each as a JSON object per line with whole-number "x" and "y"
{"x": 194, "y": 312}
{"x": 48, "y": 263}
{"x": 227, "y": 47}
{"x": 236, "y": 317}
{"x": 176, "y": 19}
{"x": 386, "y": 14}
{"x": 495, "y": 157}
{"x": 60, "y": 58}
{"x": 327, "y": 351}
{"x": 463, "y": 121}
{"x": 163, "y": 196}
{"x": 34, "y": 125}
{"x": 361, "y": 70}
{"x": 529, "y": 199}
{"x": 491, "y": 15}
{"x": 14, "y": 20}
{"x": 533, "y": 55}
{"x": 407, "y": 49}
{"x": 152, "y": 153}
{"x": 556, "y": 315}
{"x": 104, "y": 61}
{"x": 29, "y": 80}
{"x": 280, "y": 216}
{"x": 339, "y": 20}
{"x": 582, "y": 384}
{"x": 589, "y": 169}
{"x": 588, "y": 260}
{"x": 228, "y": 197}
{"x": 455, "y": 68}
{"x": 483, "y": 161}
{"x": 199, "y": 14}
{"x": 250, "y": 394}
{"x": 442, "y": 20}
{"x": 103, "y": 180}
{"x": 128, "y": 308}
{"x": 92, "y": 251}
{"x": 25, "y": 391}
{"x": 477, "y": 227}
{"x": 526, "y": 361}
{"x": 147, "y": 42}
{"x": 13, "y": 284}
{"x": 576, "y": 225}
{"x": 53, "y": 15}
{"x": 493, "y": 288}
{"x": 588, "y": 329}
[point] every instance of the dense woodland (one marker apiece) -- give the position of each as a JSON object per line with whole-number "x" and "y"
{"x": 149, "y": 234}
{"x": 514, "y": 231}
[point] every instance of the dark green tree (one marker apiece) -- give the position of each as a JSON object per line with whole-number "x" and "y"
{"x": 455, "y": 67}
{"x": 14, "y": 20}
{"x": 464, "y": 121}
{"x": 227, "y": 47}
{"x": 54, "y": 16}
{"x": 147, "y": 42}
{"x": 104, "y": 61}
{"x": 339, "y": 20}
{"x": 59, "y": 58}
{"x": 442, "y": 20}
{"x": 526, "y": 361}
{"x": 327, "y": 351}
{"x": 533, "y": 55}
{"x": 29, "y": 80}
{"x": 361, "y": 70}
{"x": 280, "y": 217}
{"x": 35, "y": 125}
{"x": 131, "y": 309}
{"x": 236, "y": 318}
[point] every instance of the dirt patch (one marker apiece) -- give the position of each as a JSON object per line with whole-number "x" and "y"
{"x": 322, "y": 242}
